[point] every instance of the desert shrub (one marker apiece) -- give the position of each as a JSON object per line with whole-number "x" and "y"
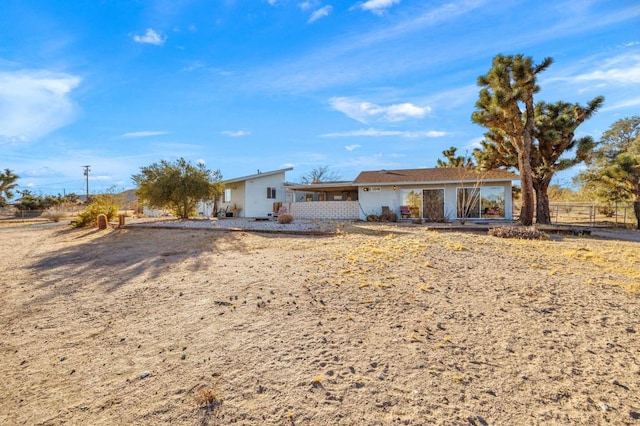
{"x": 388, "y": 216}
{"x": 608, "y": 211}
{"x": 373, "y": 218}
{"x": 101, "y": 204}
{"x": 56, "y": 213}
{"x": 285, "y": 218}
{"x": 521, "y": 232}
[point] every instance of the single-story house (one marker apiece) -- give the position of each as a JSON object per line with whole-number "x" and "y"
{"x": 432, "y": 194}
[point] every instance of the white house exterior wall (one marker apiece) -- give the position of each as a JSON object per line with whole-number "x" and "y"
{"x": 372, "y": 200}
{"x": 256, "y": 203}
{"x": 237, "y": 197}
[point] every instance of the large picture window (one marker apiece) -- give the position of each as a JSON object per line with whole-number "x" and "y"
{"x": 481, "y": 202}
{"x": 412, "y": 199}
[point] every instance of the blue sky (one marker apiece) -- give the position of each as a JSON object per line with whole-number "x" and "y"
{"x": 268, "y": 84}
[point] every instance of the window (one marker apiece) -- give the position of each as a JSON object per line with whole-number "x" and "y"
{"x": 493, "y": 203}
{"x": 485, "y": 202}
{"x": 468, "y": 202}
{"x": 226, "y": 196}
{"x": 413, "y": 200}
{"x": 271, "y": 192}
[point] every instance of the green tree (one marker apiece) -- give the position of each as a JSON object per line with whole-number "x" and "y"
{"x": 177, "y": 185}
{"x": 7, "y": 185}
{"x": 554, "y": 129}
{"x": 614, "y": 164}
{"x": 554, "y": 132}
{"x": 319, "y": 174}
{"x": 453, "y": 160}
{"x": 30, "y": 201}
{"x": 506, "y": 107}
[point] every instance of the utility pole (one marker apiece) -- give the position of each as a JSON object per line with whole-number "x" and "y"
{"x": 86, "y": 174}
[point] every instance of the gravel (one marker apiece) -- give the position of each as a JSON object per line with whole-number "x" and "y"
{"x": 235, "y": 224}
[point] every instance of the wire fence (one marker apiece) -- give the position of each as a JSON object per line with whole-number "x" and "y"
{"x": 12, "y": 214}
{"x": 593, "y": 214}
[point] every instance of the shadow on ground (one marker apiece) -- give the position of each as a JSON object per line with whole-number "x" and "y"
{"x": 114, "y": 257}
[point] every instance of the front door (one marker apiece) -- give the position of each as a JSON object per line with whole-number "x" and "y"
{"x": 433, "y": 205}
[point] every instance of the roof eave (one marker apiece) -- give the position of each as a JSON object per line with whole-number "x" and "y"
{"x": 257, "y": 175}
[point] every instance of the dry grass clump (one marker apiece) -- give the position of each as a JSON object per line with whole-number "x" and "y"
{"x": 521, "y": 232}
{"x": 208, "y": 398}
{"x": 285, "y": 218}
{"x": 55, "y": 214}
{"x": 388, "y": 216}
{"x": 385, "y": 216}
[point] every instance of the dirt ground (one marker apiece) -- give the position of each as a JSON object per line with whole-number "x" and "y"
{"x": 376, "y": 325}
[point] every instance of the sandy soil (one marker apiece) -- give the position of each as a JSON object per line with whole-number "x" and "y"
{"x": 375, "y": 325}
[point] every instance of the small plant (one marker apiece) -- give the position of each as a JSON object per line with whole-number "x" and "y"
{"x": 388, "y": 216}
{"x": 521, "y": 232}
{"x": 54, "y": 214}
{"x": 208, "y": 398}
{"x": 285, "y": 218}
{"x": 317, "y": 381}
{"x": 607, "y": 210}
{"x": 102, "y": 204}
{"x": 373, "y": 218}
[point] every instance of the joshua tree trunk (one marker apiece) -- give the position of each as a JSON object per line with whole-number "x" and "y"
{"x": 526, "y": 179}
{"x": 636, "y": 209}
{"x": 543, "y": 212}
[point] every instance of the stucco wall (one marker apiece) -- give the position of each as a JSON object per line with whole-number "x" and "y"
{"x": 257, "y": 203}
{"x": 336, "y": 210}
{"x": 237, "y": 197}
{"x": 373, "y": 200}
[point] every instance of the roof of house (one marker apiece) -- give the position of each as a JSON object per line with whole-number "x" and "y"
{"x": 433, "y": 175}
{"x": 257, "y": 175}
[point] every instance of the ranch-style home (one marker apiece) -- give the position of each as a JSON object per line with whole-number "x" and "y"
{"x": 432, "y": 194}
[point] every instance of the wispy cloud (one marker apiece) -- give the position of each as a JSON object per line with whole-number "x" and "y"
{"x": 352, "y": 147}
{"x": 343, "y": 60}
{"x": 627, "y": 103}
{"x": 150, "y": 37}
{"x": 381, "y": 133}
{"x": 35, "y": 103}
{"x": 621, "y": 70}
{"x": 193, "y": 66}
{"x": 144, "y": 134}
{"x": 236, "y": 133}
{"x": 376, "y": 6}
{"x": 308, "y": 5}
{"x": 365, "y": 111}
{"x": 320, "y": 13}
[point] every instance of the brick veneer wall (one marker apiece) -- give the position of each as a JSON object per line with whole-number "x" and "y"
{"x": 336, "y": 210}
